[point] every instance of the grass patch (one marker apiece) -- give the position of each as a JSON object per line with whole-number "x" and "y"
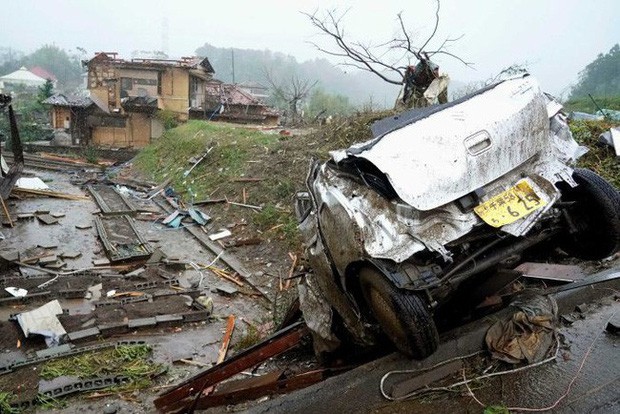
{"x": 232, "y": 148}
{"x": 91, "y": 154}
{"x": 586, "y": 105}
{"x": 250, "y": 338}
{"x": 50, "y": 403}
{"x": 6, "y": 398}
{"x": 601, "y": 158}
{"x": 132, "y": 361}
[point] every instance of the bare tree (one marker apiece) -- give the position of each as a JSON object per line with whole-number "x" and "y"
{"x": 291, "y": 91}
{"x": 388, "y": 60}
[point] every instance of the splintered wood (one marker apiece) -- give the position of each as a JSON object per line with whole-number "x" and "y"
{"x": 47, "y": 193}
{"x": 225, "y": 275}
{"x": 230, "y": 326}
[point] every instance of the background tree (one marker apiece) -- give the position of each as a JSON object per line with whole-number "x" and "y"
{"x": 45, "y": 91}
{"x": 55, "y": 60}
{"x": 324, "y": 104}
{"x": 388, "y": 59}
{"x": 601, "y": 77}
{"x": 250, "y": 66}
{"x": 291, "y": 91}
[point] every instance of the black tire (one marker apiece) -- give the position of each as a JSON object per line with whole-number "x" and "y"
{"x": 404, "y": 316}
{"x": 595, "y": 215}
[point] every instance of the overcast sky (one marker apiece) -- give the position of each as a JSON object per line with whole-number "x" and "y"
{"x": 556, "y": 38}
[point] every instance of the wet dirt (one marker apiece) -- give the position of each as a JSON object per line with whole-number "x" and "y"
{"x": 595, "y": 389}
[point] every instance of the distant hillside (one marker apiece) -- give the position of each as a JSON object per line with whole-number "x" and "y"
{"x": 600, "y": 78}
{"x": 250, "y": 65}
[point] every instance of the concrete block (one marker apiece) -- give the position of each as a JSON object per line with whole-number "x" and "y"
{"x": 142, "y": 322}
{"x": 83, "y": 334}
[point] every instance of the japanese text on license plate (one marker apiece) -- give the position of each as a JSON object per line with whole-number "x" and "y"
{"x": 510, "y": 205}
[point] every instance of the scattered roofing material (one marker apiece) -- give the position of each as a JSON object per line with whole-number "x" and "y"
{"x": 31, "y": 183}
{"x": 121, "y": 239}
{"x": 220, "y": 234}
{"x": 111, "y": 201}
{"x": 43, "y": 321}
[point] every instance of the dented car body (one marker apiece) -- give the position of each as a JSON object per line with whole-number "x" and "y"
{"x": 394, "y": 226}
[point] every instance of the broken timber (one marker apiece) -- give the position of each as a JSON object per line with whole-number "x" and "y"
{"x": 230, "y": 260}
{"x": 234, "y": 392}
{"x": 183, "y": 397}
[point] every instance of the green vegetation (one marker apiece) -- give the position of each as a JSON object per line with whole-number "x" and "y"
{"x": 237, "y": 153}
{"x": 169, "y": 156}
{"x": 252, "y": 65}
{"x": 600, "y": 78}
{"x": 5, "y": 403}
{"x": 601, "y": 158}
{"x": 167, "y": 118}
{"x": 91, "y": 154}
{"x": 325, "y": 104}
{"x": 45, "y": 91}
{"x": 65, "y": 66}
{"x": 251, "y": 337}
{"x": 50, "y": 403}
{"x": 31, "y": 114}
{"x": 131, "y": 361}
{"x": 496, "y": 409}
{"x": 276, "y": 166}
{"x": 586, "y": 104}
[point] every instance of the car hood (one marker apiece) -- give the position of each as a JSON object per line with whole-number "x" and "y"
{"x": 449, "y": 151}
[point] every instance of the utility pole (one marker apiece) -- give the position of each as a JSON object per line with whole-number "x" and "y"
{"x": 232, "y": 54}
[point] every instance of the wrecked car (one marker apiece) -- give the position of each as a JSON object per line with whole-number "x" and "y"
{"x": 435, "y": 205}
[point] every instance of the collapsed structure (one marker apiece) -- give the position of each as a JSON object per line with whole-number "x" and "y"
{"x": 128, "y": 100}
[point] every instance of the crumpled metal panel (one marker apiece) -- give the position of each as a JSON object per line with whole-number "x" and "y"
{"x": 321, "y": 287}
{"x": 317, "y": 315}
{"x": 463, "y": 147}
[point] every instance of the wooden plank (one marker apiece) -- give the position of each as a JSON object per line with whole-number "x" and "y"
{"x": 230, "y": 327}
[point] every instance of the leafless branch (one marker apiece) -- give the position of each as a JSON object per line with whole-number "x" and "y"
{"x": 434, "y": 29}
{"x": 292, "y": 91}
{"x": 376, "y": 58}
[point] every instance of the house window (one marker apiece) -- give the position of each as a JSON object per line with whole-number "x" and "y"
{"x": 126, "y": 84}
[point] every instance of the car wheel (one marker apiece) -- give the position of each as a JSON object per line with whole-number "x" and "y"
{"x": 595, "y": 216}
{"x": 404, "y": 316}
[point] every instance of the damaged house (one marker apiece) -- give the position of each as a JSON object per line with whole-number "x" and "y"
{"x": 126, "y": 97}
{"x": 233, "y": 103}
{"x": 70, "y": 118}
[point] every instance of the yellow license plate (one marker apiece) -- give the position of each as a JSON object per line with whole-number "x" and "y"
{"x": 510, "y": 205}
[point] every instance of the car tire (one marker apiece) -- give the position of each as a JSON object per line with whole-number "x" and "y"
{"x": 595, "y": 215}
{"x": 404, "y": 316}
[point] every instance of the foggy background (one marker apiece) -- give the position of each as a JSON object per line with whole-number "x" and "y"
{"x": 555, "y": 39}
